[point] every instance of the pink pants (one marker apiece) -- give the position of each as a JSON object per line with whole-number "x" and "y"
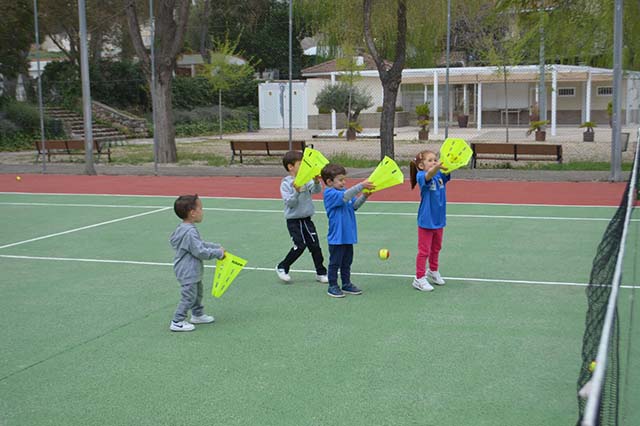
{"x": 429, "y": 245}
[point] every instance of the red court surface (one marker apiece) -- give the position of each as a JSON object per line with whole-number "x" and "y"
{"x": 469, "y": 191}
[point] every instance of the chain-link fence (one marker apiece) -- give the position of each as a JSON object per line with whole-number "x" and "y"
{"x": 485, "y": 104}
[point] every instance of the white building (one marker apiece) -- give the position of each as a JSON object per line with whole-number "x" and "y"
{"x": 574, "y": 94}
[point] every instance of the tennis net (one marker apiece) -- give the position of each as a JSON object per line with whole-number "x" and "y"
{"x": 598, "y": 379}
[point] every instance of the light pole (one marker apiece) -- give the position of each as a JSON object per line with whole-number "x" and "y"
{"x": 446, "y": 90}
{"x": 152, "y": 21}
{"x": 43, "y": 148}
{"x": 290, "y": 74}
{"x": 86, "y": 91}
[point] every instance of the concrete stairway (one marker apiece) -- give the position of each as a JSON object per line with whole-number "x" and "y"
{"x": 74, "y": 126}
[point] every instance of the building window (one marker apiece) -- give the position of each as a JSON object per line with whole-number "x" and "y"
{"x": 605, "y": 91}
{"x": 566, "y": 91}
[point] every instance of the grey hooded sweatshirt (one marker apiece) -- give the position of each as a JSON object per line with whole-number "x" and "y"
{"x": 298, "y": 204}
{"x": 190, "y": 252}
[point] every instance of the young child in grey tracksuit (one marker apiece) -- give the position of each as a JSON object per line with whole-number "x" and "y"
{"x": 298, "y": 209}
{"x": 187, "y": 263}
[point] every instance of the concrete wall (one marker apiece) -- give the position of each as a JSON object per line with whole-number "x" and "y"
{"x": 367, "y": 120}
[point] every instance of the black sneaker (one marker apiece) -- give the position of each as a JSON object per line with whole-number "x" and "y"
{"x": 334, "y": 291}
{"x": 351, "y": 289}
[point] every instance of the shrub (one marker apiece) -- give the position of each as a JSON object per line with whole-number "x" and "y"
{"x": 120, "y": 84}
{"x": 61, "y": 84}
{"x": 337, "y": 97}
{"x": 26, "y": 118}
{"x": 423, "y": 110}
{"x": 204, "y": 121}
{"x": 193, "y": 92}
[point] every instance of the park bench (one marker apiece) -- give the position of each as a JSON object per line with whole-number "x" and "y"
{"x": 71, "y": 147}
{"x": 264, "y": 148}
{"x": 515, "y": 152}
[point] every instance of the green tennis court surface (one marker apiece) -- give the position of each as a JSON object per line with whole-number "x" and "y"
{"x": 88, "y": 290}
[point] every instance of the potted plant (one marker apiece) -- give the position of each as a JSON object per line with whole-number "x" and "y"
{"x": 353, "y": 128}
{"x": 539, "y": 128}
{"x": 588, "y": 135}
{"x": 463, "y": 119}
{"x": 423, "y": 112}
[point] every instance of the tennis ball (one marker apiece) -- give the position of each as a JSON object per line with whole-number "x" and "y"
{"x": 18, "y": 178}
{"x": 383, "y": 254}
{"x": 592, "y": 366}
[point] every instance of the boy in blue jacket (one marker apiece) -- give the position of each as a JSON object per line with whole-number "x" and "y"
{"x": 187, "y": 263}
{"x": 340, "y": 205}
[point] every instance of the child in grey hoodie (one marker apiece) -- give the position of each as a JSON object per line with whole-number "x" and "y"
{"x": 298, "y": 209}
{"x": 187, "y": 263}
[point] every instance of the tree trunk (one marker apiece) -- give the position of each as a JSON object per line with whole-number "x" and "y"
{"x": 204, "y": 32}
{"x": 387, "y": 120}
{"x": 170, "y": 28}
{"x": 166, "y": 150}
{"x": 389, "y": 77}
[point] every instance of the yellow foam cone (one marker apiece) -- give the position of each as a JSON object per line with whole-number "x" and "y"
{"x": 386, "y": 175}
{"x": 455, "y": 153}
{"x": 310, "y": 166}
{"x": 227, "y": 270}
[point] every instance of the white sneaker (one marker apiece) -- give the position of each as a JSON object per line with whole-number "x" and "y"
{"x": 322, "y": 278}
{"x": 421, "y": 284}
{"x": 202, "y": 319}
{"x": 181, "y": 326}
{"x": 435, "y": 278}
{"x": 283, "y": 275}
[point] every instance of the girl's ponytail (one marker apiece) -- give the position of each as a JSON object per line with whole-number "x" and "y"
{"x": 413, "y": 173}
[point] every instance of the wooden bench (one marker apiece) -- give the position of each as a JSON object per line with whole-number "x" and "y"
{"x": 71, "y": 147}
{"x": 263, "y": 148}
{"x": 515, "y": 152}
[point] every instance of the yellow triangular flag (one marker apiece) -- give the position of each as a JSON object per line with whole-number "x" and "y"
{"x": 454, "y": 153}
{"x": 386, "y": 175}
{"x": 310, "y": 166}
{"x": 227, "y": 270}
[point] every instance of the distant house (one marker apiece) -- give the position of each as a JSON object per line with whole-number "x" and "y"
{"x": 190, "y": 64}
{"x": 187, "y": 64}
{"x": 574, "y": 94}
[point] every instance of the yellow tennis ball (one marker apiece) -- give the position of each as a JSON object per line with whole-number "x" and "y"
{"x": 18, "y": 178}
{"x": 592, "y": 366}
{"x": 383, "y": 254}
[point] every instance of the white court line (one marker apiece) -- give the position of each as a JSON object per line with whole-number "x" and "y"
{"x": 83, "y": 228}
{"x": 369, "y": 274}
{"x": 108, "y": 206}
{"x": 280, "y": 199}
{"x": 365, "y": 213}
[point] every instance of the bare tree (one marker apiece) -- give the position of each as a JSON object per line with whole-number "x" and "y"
{"x": 391, "y": 77}
{"x": 171, "y": 18}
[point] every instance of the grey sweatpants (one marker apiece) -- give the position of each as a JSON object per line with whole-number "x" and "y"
{"x": 190, "y": 298}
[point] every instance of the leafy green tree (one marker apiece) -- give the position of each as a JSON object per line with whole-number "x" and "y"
{"x": 16, "y": 36}
{"x": 382, "y": 28}
{"x": 171, "y": 22}
{"x": 261, "y": 28}
{"x": 223, "y": 73}
{"x": 105, "y": 23}
{"x": 347, "y": 99}
{"x": 497, "y": 42}
{"x": 579, "y": 31}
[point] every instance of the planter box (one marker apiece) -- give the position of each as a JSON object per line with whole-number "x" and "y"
{"x": 588, "y": 136}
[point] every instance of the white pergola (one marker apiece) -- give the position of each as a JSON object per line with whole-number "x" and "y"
{"x": 476, "y": 76}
